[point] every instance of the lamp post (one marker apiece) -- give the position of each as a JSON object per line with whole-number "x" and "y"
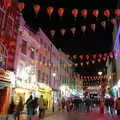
{"x": 101, "y": 96}
{"x": 54, "y": 75}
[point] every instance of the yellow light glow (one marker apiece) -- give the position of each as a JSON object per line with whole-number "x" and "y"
{"x": 19, "y": 90}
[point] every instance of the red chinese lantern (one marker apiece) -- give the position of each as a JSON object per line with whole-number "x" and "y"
{"x": 93, "y": 27}
{"x": 95, "y": 12}
{"x": 50, "y": 10}
{"x": 81, "y": 57}
{"x": 81, "y": 64}
{"x": 99, "y": 60}
{"x": 62, "y": 31}
{"x": 104, "y": 58}
{"x": 111, "y": 54}
{"x": 107, "y": 13}
{"x": 117, "y": 12}
{"x": 60, "y": 11}
{"x": 83, "y": 28}
{"x": 87, "y": 57}
{"x": 52, "y": 33}
{"x": 21, "y": 6}
{"x": 100, "y": 55}
{"x": 113, "y": 21}
{"x": 36, "y": 8}
{"x": 93, "y": 62}
{"x": 105, "y": 54}
{"x": 84, "y": 13}
{"x": 73, "y": 29}
{"x": 75, "y": 13}
{"x": 87, "y": 62}
{"x": 94, "y": 56}
{"x": 7, "y": 3}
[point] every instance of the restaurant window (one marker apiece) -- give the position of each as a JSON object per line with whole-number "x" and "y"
{"x": 24, "y": 47}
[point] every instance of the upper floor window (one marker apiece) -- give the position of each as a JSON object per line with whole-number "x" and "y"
{"x": 24, "y": 47}
{"x": 1, "y": 18}
{"x": 41, "y": 41}
{"x": 39, "y": 75}
{"x": 9, "y": 25}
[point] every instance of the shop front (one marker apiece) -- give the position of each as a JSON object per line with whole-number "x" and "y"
{"x": 5, "y": 90}
{"x": 116, "y": 90}
{"x": 46, "y": 91}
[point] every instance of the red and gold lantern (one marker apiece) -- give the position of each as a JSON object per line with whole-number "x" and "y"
{"x": 84, "y": 13}
{"x": 50, "y": 10}
{"x": 7, "y": 3}
{"x": 36, "y": 8}
{"x": 60, "y": 11}
{"x": 95, "y": 12}
{"x": 107, "y": 13}
{"x": 117, "y": 12}
{"x": 21, "y": 6}
{"x": 75, "y": 13}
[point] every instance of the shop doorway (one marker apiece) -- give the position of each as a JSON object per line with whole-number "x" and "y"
{"x": 3, "y": 94}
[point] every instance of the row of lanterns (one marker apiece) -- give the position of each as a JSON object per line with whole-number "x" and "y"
{"x": 74, "y": 11}
{"x": 60, "y": 11}
{"x": 83, "y": 28}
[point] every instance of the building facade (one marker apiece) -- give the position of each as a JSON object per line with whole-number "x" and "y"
{"x": 9, "y": 22}
{"x": 38, "y": 67}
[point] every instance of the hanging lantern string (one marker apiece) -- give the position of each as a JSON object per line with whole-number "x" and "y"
{"x": 74, "y": 12}
{"x": 84, "y": 28}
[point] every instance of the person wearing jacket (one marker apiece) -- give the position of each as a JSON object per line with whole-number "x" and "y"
{"x": 118, "y": 106}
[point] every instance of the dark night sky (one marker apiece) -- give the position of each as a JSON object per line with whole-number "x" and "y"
{"x": 91, "y": 42}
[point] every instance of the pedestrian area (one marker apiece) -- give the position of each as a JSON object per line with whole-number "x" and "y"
{"x": 72, "y": 116}
{"x": 81, "y": 116}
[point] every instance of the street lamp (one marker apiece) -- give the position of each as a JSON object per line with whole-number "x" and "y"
{"x": 99, "y": 73}
{"x": 54, "y": 75}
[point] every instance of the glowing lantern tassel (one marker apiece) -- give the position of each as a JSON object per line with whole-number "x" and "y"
{"x": 36, "y": 8}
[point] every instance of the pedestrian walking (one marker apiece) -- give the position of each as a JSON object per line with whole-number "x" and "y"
{"x": 41, "y": 107}
{"x": 29, "y": 106}
{"x": 63, "y": 104}
{"x": 87, "y": 103}
{"x": 117, "y": 106}
{"x": 112, "y": 104}
{"x": 19, "y": 109}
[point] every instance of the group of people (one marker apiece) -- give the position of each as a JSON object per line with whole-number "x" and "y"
{"x": 87, "y": 105}
{"x": 33, "y": 105}
{"x": 112, "y": 105}
{"x": 76, "y": 104}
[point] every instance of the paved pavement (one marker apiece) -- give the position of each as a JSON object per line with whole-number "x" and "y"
{"x": 72, "y": 116}
{"x": 80, "y": 116}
